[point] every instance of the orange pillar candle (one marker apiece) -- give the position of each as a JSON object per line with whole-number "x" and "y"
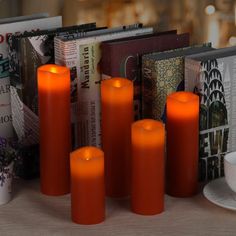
{"x": 147, "y": 179}
{"x": 54, "y": 115}
{"x": 117, "y": 117}
{"x": 87, "y": 185}
{"x": 182, "y": 144}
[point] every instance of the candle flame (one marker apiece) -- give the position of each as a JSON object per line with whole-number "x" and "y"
{"x": 117, "y": 84}
{"x": 87, "y": 155}
{"x": 53, "y": 69}
{"x": 147, "y": 126}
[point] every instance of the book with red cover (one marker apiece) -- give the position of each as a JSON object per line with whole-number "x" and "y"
{"x": 121, "y": 58}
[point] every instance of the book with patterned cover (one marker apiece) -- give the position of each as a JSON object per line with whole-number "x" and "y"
{"x": 121, "y": 58}
{"x": 27, "y": 52}
{"x": 7, "y": 28}
{"x": 212, "y": 76}
{"x": 162, "y": 74}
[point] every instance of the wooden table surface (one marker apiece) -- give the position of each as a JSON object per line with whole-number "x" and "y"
{"x": 31, "y": 213}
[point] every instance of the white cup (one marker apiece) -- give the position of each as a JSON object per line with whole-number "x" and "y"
{"x": 230, "y": 170}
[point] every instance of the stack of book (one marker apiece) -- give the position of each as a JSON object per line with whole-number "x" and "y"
{"x": 122, "y": 57}
{"x": 163, "y": 73}
{"x": 158, "y": 63}
{"x": 27, "y": 52}
{"x": 83, "y": 56}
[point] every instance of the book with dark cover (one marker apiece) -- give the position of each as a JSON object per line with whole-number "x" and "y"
{"x": 27, "y": 52}
{"x": 211, "y": 75}
{"x": 162, "y": 74}
{"x": 121, "y": 58}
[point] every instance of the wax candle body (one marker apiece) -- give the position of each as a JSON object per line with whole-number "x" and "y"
{"x": 182, "y": 144}
{"x": 87, "y": 185}
{"x": 147, "y": 181}
{"x": 117, "y": 117}
{"x": 54, "y": 116}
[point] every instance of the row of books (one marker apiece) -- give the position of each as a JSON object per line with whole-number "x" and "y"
{"x": 158, "y": 63}
{"x": 26, "y": 43}
{"x": 210, "y": 73}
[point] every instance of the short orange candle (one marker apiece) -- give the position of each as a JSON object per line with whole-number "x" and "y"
{"x": 117, "y": 117}
{"x": 54, "y": 115}
{"x": 87, "y": 185}
{"x": 147, "y": 180}
{"x": 182, "y": 144}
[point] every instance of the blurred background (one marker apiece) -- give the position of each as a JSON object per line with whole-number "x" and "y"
{"x": 205, "y": 20}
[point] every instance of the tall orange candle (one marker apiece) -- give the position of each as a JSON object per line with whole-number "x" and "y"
{"x": 147, "y": 180}
{"x": 117, "y": 117}
{"x": 87, "y": 185}
{"x": 182, "y": 144}
{"x": 54, "y": 115}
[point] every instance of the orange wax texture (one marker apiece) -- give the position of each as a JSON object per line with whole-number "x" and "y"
{"x": 147, "y": 179}
{"x": 117, "y": 117}
{"x": 54, "y": 116}
{"x": 87, "y": 185}
{"x": 182, "y": 144}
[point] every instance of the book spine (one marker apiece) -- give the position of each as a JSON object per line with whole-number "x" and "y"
{"x": 16, "y": 88}
{"x": 23, "y": 64}
{"x": 214, "y": 132}
{"x": 89, "y": 95}
{"x": 162, "y": 78}
{"x": 215, "y": 84}
{"x": 66, "y": 55}
{"x": 6, "y": 129}
{"x": 106, "y": 60}
{"x": 23, "y": 79}
{"x": 148, "y": 88}
{"x": 230, "y": 99}
{"x": 130, "y": 69}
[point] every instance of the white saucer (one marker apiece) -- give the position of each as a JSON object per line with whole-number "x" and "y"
{"x": 219, "y": 193}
